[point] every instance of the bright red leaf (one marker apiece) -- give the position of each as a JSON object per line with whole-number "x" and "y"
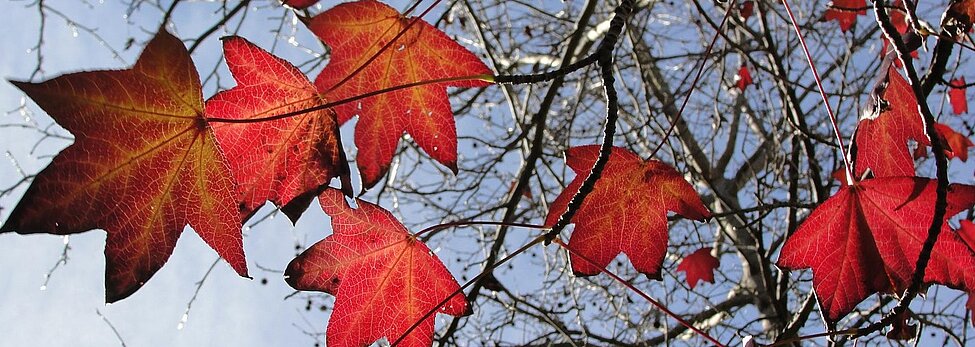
{"x": 845, "y": 12}
{"x": 384, "y": 279}
{"x": 956, "y": 96}
{"x": 744, "y": 78}
{"x": 699, "y": 266}
{"x": 143, "y": 165}
{"x": 882, "y": 139}
{"x": 867, "y": 237}
{"x": 967, "y": 232}
{"x": 627, "y": 210}
{"x": 282, "y": 159}
{"x": 355, "y": 32}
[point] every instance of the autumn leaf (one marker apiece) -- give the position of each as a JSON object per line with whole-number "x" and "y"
{"x": 699, "y": 266}
{"x": 898, "y": 17}
{"x": 355, "y": 32}
{"x": 384, "y": 279}
{"x": 882, "y": 135}
{"x": 143, "y": 165}
{"x": 845, "y": 12}
{"x": 746, "y": 9}
{"x": 282, "y": 159}
{"x": 956, "y": 96}
{"x": 299, "y": 4}
{"x": 743, "y": 79}
{"x": 966, "y": 231}
{"x": 867, "y": 237}
{"x": 626, "y": 212}
{"x": 957, "y": 144}
{"x": 963, "y": 10}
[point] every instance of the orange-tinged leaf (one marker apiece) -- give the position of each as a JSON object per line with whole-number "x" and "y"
{"x": 867, "y": 237}
{"x": 956, "y": 96}
{"x": 699, "y": 266}
{"x": 143, "y": 165}
{"x": 881, "y": 138}
{"x": 356, "y": 31}
{"x": 384, "y": 279}
{"x": 845, "y": 12}
{"x": 276, "y": 160}
{"x": 963, "y": 10}
{"x": 627, "y": 210}
{"x": 957, "y": 145}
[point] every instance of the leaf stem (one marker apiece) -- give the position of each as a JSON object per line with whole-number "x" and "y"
{"x": 941, "y": 163}
{"x": 477, "y": 222}
{"x": 822, "y": 92}
{"x": 485, "y": 272}
{"x": 639, "y": 292}
{"x": 605, "y": 62}
{"x": 386, "y": 46}
{"x": 697, "y": 78}
{"x": 326, "y": 105}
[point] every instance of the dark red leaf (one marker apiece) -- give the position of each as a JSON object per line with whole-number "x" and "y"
{"x": 699, "y": 266}
{"x": 144, "y": 164}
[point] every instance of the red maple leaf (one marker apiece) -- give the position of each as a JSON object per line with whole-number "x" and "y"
{"x": 963, "y": 10}
{"x": 276, "y": 160}
{"x": 845, "y": 12}
{"x": 956, "y": 96}
{"x": 627, "y": 210}
{"x": 699, "y": 266}
{"x": 746, "y": 9}
{"x": 299, "y": 4}
{"x": 882, "y": 136}
{"x": 743, "y": 79}
{"x": 898, "y": 17}
{"x": 867, "y": 237}
{"x": 384, "y": 279}
{"x": 355, "y": 32}
{"x": 143, "y": 165}
{"x": 957, "y": 145}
